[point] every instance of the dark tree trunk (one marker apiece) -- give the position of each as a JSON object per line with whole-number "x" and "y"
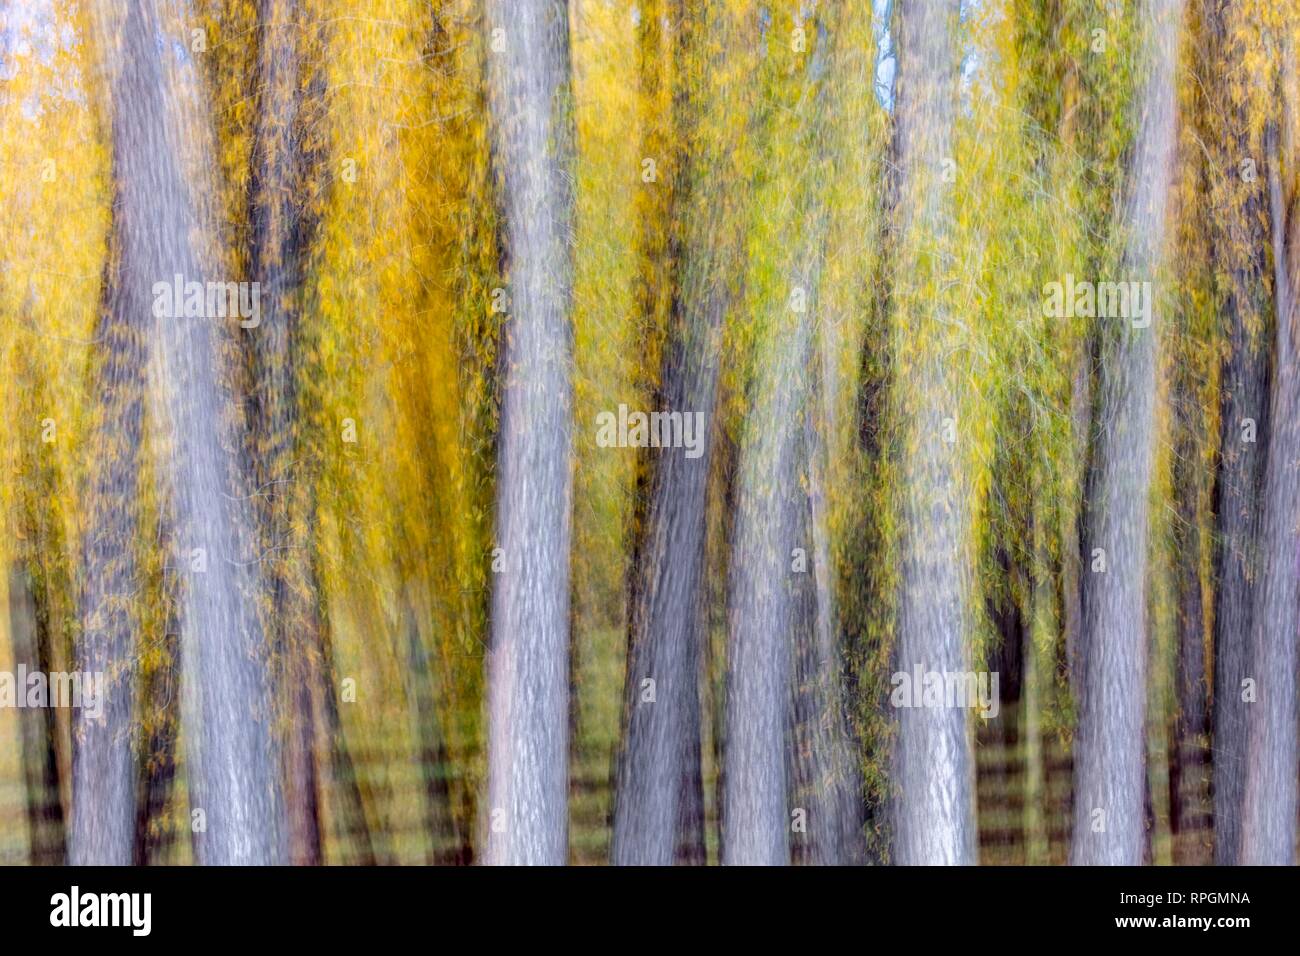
{"x": 1240, "y": 249}
{"x": 29, "y": 632}
{"x": 161, "y": 698}
{"x": 283, "y": 222}
{"x": 659, "y": 806}
{"x": 1189, "y": 790}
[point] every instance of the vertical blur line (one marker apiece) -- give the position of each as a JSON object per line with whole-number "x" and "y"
{"x": 935, "y": 810}
{"x": 529, "y": 96}
{"x": 103, "y": 769}
{"x": 159, "y": 143}
{"x": 37, "y": 727}
{"x": 1110, "y": 794}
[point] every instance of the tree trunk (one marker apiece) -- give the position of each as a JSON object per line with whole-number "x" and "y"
{"x": 528, "y": 664}
{"x": 37, "y": 727}
{"x": 283, "y": 223}
{"x": 659, "y": 810}
{"x": 103, "y": 765}
{"x": 233, "y": 767}
{"x": 825, "y": 772}
{"x": 1240, "y": 250}
{"x": 1188, "y": 766}
{"x": 783, "y": 656}
{"x": 770, "y": 524}
{"x": 1268, "y": 825}
{"x": 1244, "y": 389}
{"x": 1109, "y": 809}
{"x": 934, "y": 812}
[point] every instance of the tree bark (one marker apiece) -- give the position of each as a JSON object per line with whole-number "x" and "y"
{"x": 1269, "y": 798}
{"x": 1240, "y": 250}
{"x": 36, "y": 727}
{"x": 659, "y": 809}
{"x": 934, "y": 814}
{"x": 103, "y": 764}
{"x": 1109, "y": 780}
{"x": 1188, "y": 766}
{"x": 783, "y": 655}
{"x": 283, "y": 223}
{"x": 528, "y": 670}
{"x": 232, "y": 764}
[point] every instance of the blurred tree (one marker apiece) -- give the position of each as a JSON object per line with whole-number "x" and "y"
{"x": 935, "y": 772}
{"x": 1109, "y": 815}
{"x": 1269, "y": 794}
{"x": 285, "y": 204}
{"x": 659, "y": 802}
{"x": 528, "y": 663}
{"x": 1229, "y": 120}
{"x": 163, "y": 232}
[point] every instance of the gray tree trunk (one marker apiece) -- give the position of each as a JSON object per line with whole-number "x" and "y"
{"x": 770, "y": 505}
{"x": 528, "y": 670}
{"x": 825, "y": 771}
{"x": 232, "y": 764}
{"x": 103, "y": 766}
{"x": 1109, "y": 779}
{"x": 1268, "y": 825}
{"x": 783, "y": 658}
{"x": 935, "y": 806}
{"x": 658, "y": 814}
{"x": 103, "y": 763}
